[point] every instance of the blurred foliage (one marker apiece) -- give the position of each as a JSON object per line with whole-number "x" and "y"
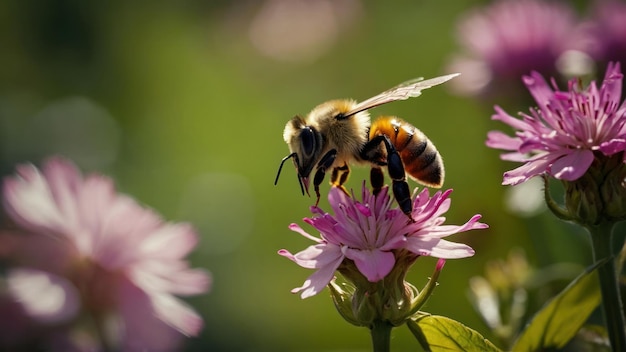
{"x": 178, "y": 104}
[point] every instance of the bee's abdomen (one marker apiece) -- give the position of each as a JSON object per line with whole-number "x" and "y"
{"x": 419, "y": 155}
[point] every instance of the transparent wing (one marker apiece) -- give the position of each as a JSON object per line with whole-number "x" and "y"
{"x": 409, "y": 89}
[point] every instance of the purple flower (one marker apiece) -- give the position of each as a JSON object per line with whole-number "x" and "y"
{"x": 116, "y": 260}
{"x": 605, "y": 33}
{"x": 561, "y": 136}
{"x": 508, "y": 39}
{"x": 373, "y": 235}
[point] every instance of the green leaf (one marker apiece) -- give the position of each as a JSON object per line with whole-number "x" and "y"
{"x": 438, "y": 333}
{"x": 559, "y": 320}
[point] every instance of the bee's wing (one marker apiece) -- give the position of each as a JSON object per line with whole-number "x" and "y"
{"x": 409, "y": 89}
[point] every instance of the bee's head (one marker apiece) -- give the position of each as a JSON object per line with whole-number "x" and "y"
{"x": 305, "y": 145}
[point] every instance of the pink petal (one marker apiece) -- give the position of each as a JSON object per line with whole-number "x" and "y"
{"x": 190, "y": 282}
{"x": 338, "y": 199}
{"x": 315, "y": 283}
{"x": 500, "y": 140}
{"x": 45, "y": 297}
{"x": 29, "y": 201}
{"x": 438, "y": 248}
{"x": 170, "y": 276}
{"x": 96, "y": 199}
{"x": 503, "y": 116}
{"x": 170, "y": 241}
{"x": 539, "y": 89}
{"x": 177, "y": 314}
{"x": 47, "y": 253}
{"x": 122, "y": 230}
{"x": 532, "y": 168}
{"x": 298, "y": 229}
{"x": 139, "y": 328}
{"x": 65, "y": 182}
{"x": 316, "y": 256}
{"x": 394, "y": 241}
{"x": 447, "y": 230}
{"x": 373, "y": 264}
{"x": 612, "y": 84}
{"x": 613, "y": 146}
{"x": 572, "y": 166}
{"x": 518, "y": 157}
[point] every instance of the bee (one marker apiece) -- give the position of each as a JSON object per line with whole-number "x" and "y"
{"x": 339, "y": 132}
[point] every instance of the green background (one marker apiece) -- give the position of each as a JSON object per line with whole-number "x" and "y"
{"x": 175, "y": 103}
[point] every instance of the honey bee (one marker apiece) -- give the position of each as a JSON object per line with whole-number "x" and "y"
{"x": 339, "y": 132}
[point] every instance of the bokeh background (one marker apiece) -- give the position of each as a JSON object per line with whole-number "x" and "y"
{"x": 184, "y": 103}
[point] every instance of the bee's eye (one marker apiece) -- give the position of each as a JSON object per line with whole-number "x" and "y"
{"x": 307, "y": 139}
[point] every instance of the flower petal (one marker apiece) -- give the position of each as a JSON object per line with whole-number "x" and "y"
{"x": 177, "y": 314}
{"x": 539, "y": 89}
{"x": 169, "y": 276}
{"x": 572, "y": 166}
{"x": 447, "y": 230}
{"x": 315, "y": 283}
{"x": 316, "y": 256}
{"x": 373, "y": 264}
{"x": 65, "y": 182}
{"x": 82, "y": 229}
{"x": 298, "y": 229}
{"x": 139, "y": 328}
{"x": 613, "y": 146}
{"x": 532, "y": 168}
{"x": 170, "y": 241}
{"x": 45, "y": 297}
{"x": 500, "y": 140}
{"x": 30, "y": 203}
{"x": 438, "y": 248}
{"x": 503, "y": 116}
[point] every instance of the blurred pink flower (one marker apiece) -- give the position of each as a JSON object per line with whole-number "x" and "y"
{"x": 561, "y": 136}
{"x": 125, "y": 263}
{"x": 605, "y": 32}
{"x": 45, "y": 297}
{"x": 508, "y": 39}
{"x": 371, "y": 234}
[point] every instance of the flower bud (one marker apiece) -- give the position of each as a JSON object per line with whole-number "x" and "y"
{"x": 342, "y": 298}
{"x": 613, "y": 192}
{"x": 582, "y": 200}
{"x": 391, "y": 300}
{"x": 600, "y": 194}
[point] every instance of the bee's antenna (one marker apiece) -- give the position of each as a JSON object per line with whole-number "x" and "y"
{"x": 292, "y": 155}
{"x": 281, "y": 166}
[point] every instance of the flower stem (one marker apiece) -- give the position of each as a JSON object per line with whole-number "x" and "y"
{"x": 601, "y": 236}
{"x": 381, "y": 335}
{"x": 101, "y": 334}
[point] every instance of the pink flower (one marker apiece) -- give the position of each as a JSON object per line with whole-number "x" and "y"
{"x": 125, "y": 263}
{"x": 561, "y": 135}
{"x": 45, "y": 297}
{"x": 372, "y": 234}
{"x": 605, "y": 32}
{"x": 507, "y": 39}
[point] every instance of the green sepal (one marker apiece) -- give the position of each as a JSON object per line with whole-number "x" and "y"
{"x": 342, "y": 297}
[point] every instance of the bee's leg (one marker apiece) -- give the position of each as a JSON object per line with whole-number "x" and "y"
{"x": 324, "y": 164}
{"x": 377, "y": 179}
{"x": 340, "y": 176}
{"x": 371, "y": 153}
{"x": 395, "y": 166}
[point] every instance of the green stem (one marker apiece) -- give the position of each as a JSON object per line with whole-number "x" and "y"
{"x": 381, "y": 335}
{"x": 601, "y": 236}
{"x": 105, "y": 343}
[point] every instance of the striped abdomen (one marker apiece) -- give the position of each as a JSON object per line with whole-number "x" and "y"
{"x": 420, "y": 157}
